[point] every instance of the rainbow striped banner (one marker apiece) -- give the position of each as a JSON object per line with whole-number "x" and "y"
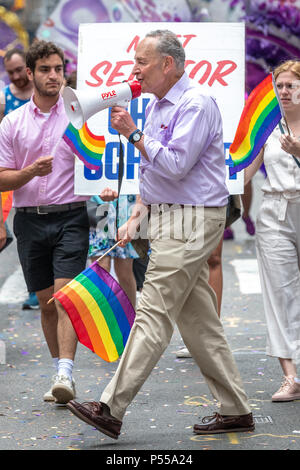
{"x": 259, "y": 118}
{"x": 100, "y": 311}
{"x": 6, "y": 198}
{"x": 86, "y": 145}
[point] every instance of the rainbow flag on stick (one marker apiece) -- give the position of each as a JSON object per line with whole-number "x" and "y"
{"x": 86, "y": 145}
{"x": 6, "y": 198}
{"x": 99, "y": 310}
{"x": 259, "y": 118}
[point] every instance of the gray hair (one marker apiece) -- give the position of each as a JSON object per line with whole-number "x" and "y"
{"x": 168, "y": 44}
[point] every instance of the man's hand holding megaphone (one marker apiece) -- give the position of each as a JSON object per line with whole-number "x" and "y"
{"x": 122, "y": 121}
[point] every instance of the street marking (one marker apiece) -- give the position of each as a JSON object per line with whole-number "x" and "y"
{"x": 248, "y": 276}
{"x": 204, "y": 438}
{"x": 14, "y": 289}
{"x": 263, "y": 419}
{"x": 272, "y": 435}
{"x": 232, "y": 436}
{"x": 198, "y": 401}
{"x": 2, "y": 352}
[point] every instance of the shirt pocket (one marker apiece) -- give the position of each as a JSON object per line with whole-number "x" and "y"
{"x": 164, "y": 136}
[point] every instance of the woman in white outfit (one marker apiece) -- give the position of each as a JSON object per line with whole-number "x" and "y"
{"x": 278, "y": 232}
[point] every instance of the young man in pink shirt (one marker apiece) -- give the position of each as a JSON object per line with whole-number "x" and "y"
{"x": 51, "y": 223}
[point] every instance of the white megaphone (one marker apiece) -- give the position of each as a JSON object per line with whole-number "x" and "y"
{"x": 80, "y": 105}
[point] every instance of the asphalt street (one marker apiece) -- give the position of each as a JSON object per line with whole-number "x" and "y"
{"x": 175, "y": 396}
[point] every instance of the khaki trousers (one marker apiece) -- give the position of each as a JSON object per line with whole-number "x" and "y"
{"x": 176, "y": 290}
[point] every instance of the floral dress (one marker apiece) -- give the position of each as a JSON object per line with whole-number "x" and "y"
{"x": 104, "y": 236}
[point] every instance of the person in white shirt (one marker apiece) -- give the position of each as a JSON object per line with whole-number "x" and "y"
{"x": 278, "y": 232}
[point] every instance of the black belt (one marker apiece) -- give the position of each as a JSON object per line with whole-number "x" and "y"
{"x": 43, "y": 210}
{"x": 165, "y": 207}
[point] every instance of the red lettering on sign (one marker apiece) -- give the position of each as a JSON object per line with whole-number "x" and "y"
{"x": 209, "y": 76}
{"x": 187, "y": 37}
{"x": 219, "y": 74}
{"x": 206, "y": 72}
{"x": 94, "y": 73}
{"x": 203, "y": 71}
{"x": 115, "y": 73}
{"x": 133, "y": 44}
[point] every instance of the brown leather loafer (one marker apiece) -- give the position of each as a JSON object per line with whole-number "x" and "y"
{"x": 219, "y": 424}
{"x": 96, "y": 414}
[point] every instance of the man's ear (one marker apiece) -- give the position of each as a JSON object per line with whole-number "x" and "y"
{"x": 169, "y": 63}
{"x": 29, "y": 73}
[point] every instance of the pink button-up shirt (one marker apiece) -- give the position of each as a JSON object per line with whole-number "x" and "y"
{"x": 25, "y": 135}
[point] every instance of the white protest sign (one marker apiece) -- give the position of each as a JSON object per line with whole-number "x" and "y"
{"x": 215, "y": 60}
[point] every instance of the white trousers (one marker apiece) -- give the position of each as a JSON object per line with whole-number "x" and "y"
{"x": 278, "y": 256}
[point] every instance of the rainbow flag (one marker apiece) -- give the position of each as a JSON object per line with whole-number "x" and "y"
{"x": 6, "y": 199}
{"x": 259, "y": 118}
{"x": 86, "y": 145}
{"x": 99, "y": 310}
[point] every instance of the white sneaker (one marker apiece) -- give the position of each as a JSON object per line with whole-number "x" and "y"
{"x": 64, "y": 389}
{"x": 48, "y": 395}
{"x": 183, "y": 352}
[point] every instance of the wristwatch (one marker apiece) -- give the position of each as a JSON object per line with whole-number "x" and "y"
{"x": 135, "y": 136}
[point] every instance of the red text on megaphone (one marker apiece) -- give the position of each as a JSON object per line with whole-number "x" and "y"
{"x": 109, "y": 94}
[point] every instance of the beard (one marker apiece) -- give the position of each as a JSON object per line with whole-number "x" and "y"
{"x": 43, "y": 90}
{"x": 21, "y": 82}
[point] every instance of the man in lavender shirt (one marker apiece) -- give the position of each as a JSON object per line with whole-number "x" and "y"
{"x": 182, "y": 185}
{"x": 51, "y": 223}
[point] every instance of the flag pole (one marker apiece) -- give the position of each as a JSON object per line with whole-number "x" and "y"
{"x": 114, "y": 246}
{"x": 106, "y": 253}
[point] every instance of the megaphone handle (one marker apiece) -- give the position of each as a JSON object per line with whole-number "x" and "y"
{"x": 120, "y": 178}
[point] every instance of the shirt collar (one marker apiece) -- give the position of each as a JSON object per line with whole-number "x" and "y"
{"x": 175, "y": 93}
{"x": 55, "y": 108}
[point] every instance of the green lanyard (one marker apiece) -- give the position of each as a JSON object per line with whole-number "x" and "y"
{"x": 282, "y": 132}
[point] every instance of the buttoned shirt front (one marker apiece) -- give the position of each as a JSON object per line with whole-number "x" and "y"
{"x": 283, "y": 173}
{"x": 184, "y": 143}
{"x": 25, "y": 135}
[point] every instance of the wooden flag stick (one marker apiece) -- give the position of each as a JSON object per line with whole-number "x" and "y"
{"x": 106, "y": 253}
{"x": 115, "y": 245}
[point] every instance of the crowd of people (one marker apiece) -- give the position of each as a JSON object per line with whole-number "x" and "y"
{"x": 182, "y": 167}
